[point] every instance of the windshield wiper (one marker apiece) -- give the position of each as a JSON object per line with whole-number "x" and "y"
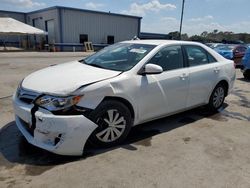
{"x": 92, "y": 64}
{"x": 96, "y": 65}
{"x": 82, "y": 61}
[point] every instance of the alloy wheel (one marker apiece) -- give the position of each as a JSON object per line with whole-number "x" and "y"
{"x": 112, "y": 126}
{"x": 218, "y": 97}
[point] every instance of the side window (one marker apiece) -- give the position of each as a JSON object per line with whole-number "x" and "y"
{"x": 169, "y": 58}
{"x": 196, "y": 56}
{"x": 211, "y": 58}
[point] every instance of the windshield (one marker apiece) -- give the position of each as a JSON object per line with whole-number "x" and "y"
{"x": 119, "y": 57}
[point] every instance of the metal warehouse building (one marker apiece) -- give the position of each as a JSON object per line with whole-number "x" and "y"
{"x": 70, "y": 26}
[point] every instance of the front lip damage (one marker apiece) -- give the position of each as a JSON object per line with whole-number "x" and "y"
{"x": 64, "y": 135}
{"x": 72, "y": 131}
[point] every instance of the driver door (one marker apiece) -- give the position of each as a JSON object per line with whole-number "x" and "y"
{"x": 167, "y": 92}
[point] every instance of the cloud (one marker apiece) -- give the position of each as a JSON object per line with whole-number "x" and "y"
{"x": 152, "y": 6}
{"x": 168, "y": 19}
{"x": 91, "y": 5}
{"x": 201, "y": 19}
{"x": 23, "y": 3}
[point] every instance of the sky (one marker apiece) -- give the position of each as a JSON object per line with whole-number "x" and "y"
{"x": 160, "y": 16}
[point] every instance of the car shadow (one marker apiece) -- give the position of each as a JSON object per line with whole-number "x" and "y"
{"x": 244, "y": 79}
{"x": 16, "y": 150}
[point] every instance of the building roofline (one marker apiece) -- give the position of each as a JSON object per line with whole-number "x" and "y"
{"x": 153, "y": 33}
{"x": 83, "y": 10}
{"x": 12, "y": 11}
{"x": 42, "y": 10}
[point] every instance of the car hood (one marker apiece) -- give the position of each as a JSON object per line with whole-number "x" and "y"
{"x": 65, "y": 78}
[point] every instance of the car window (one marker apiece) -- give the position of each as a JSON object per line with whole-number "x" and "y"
{"x": 119, "y": 57}
{"x": 197, "y": 56}
{"x": 211, "y": 58}
{"x": 169, "y": 58}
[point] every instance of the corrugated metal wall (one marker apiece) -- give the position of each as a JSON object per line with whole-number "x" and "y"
{"x": 97, "y": 26}
{"x": 70, "y": 23}
{"x": 41, "y": 18}
{"x": 17, "y": 16}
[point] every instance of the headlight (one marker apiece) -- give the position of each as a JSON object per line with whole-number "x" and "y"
{"x": 52, "y": 103}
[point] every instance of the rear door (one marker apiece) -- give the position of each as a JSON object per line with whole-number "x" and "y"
{"x": 203, "y": 74}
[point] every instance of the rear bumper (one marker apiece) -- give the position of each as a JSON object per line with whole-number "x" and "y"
{"x": 64, "y": 135}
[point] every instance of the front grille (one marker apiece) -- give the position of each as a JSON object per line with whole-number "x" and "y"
{"x": 26, "y": 96}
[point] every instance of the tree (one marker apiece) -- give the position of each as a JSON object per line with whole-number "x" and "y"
{"x": 214, "y": 36}
{"x": 184, "y": 36}
{"x": 197, "y": 38}
{"x": 174, "y": 35}
{"x": 204, "y": 34}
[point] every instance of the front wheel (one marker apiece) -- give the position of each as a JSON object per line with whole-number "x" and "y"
{"x": 114, "y": 123}
{"x": 217, "y": 97}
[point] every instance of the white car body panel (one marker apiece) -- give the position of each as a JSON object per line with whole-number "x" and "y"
{"x": 164, "y": 99}
{"x": 150, "y": 96}
{"x": 202, "y": 80}
{"x": 65, "y": 78}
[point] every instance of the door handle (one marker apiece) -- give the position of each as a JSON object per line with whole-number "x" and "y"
{"x": 216, "y": 69}
{"x": 183, "y": 76}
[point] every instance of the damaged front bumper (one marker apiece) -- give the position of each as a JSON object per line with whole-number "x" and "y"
{"x": 60, "y": 134}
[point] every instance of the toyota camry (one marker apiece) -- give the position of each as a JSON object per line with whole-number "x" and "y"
{"x": 99, "y": 98}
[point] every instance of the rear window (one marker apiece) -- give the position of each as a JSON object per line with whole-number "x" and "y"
{"x": 198, "y": 56}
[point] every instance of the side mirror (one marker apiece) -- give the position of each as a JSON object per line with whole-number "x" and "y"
{"x": 152, "y": 69}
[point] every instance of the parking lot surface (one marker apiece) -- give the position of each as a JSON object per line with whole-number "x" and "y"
{"x": 191, "y": 149}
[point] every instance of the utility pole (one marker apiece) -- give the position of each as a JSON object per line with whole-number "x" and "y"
{"x": 183, "y": 2}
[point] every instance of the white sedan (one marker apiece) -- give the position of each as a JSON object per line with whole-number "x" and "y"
{"x": 102, "y": 96}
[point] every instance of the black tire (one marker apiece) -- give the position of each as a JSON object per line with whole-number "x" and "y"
{"x": 247, "y": 76}
{"x": 214, "y": 105}
{"x": 101, "y": 113}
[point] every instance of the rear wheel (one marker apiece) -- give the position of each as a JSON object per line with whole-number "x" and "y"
{"x": 114, "y": 123}
{"x": 246, "y": 76}
{"x": 217, "y": 97}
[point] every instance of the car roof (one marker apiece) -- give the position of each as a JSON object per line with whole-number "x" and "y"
{"x": 160, "y": 42}
{"x": 170, "y": 42}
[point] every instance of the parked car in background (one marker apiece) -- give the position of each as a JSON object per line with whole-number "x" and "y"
{"x": 233, "y": 52}
{"x": 126, "y": 84}
{"x": 214, "y": 45}
{"x": 246, "y": 64}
